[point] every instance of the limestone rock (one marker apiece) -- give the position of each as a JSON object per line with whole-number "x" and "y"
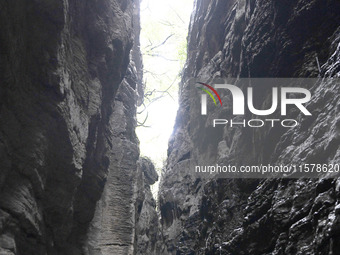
{"x": 68, "y": 100}
{"x": 242, "y": 38}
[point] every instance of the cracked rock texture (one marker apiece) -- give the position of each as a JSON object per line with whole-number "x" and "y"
{"x": 249, "y": 38}
{"x": 70, "y": 73}
{"x": 147, "y": 225}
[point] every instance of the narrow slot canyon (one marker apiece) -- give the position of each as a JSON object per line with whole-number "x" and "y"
{"x": 134, "y": 127}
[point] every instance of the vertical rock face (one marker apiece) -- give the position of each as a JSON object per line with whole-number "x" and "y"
{"x": 147, "y": 224}
{"x": 242, "y": 38}
{"x": 69, "y": 87}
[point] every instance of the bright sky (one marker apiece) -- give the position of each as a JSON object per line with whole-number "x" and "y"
{"x": 162, "y": 20}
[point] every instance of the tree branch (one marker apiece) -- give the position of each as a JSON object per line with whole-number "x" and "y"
{"x": 159, "y": 45}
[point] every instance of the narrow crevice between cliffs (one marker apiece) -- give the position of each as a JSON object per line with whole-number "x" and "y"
{"x": 72, "y": 178}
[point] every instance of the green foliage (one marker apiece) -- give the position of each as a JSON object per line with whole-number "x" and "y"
{"x": 163, "y": 44}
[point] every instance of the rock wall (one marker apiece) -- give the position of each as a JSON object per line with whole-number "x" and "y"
{"x": 71, "y": 180}
{"x": 147, "y": 222}
{"x": 246, "y": 38}
{"x": 70, "y": 73}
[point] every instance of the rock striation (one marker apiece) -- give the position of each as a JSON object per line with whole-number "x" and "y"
{"x": 244, "y": 38}
{"x": 71, "y": 77}
{"x": 71, "y": 179}
{"x": 147, "y": 222}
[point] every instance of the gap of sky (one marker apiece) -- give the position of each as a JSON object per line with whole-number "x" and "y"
{"x": 164, "y": 32}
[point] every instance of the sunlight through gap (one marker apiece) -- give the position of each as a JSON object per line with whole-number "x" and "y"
{"x": 163, "y": 44}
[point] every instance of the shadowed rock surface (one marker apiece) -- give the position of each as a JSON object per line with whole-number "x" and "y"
{"x": 71, "y": 76}
{"x": 147, "y": 227}
{"x": 244, "y": 38}
{"x": 71, "y": 180}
